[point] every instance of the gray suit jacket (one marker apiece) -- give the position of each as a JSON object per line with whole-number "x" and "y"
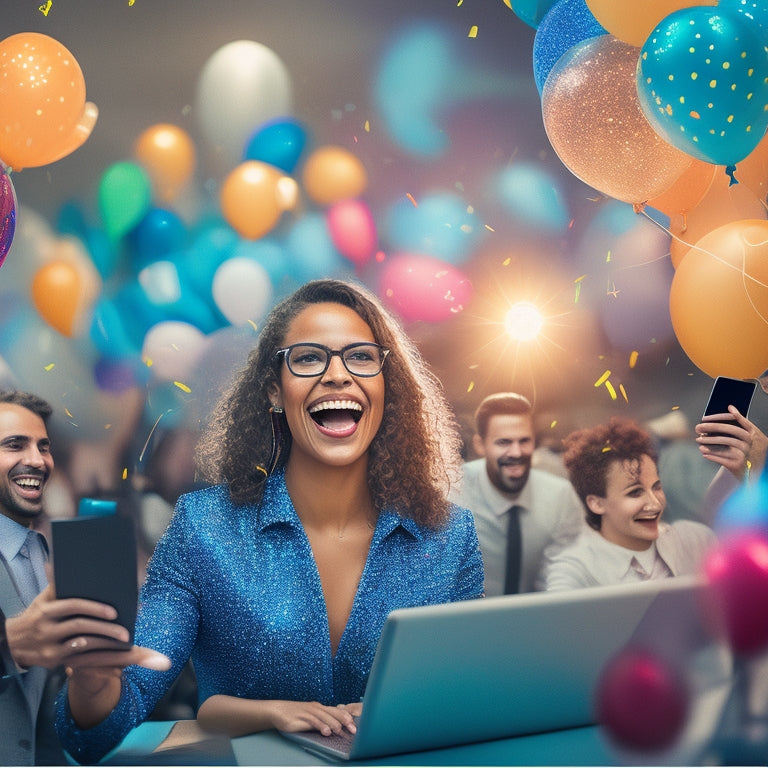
{"x": 26, "y": 738}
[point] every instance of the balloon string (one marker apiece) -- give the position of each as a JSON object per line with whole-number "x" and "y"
{"x": 742, "y": 269}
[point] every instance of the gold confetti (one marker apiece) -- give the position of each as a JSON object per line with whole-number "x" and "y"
{"x": 49, "y": 367}
{"x": 45, "y": 8}
{"x": 611, "y": 390}
{"x": 367, "y": 126}
{"x": 125, "y": 473}
{"x": 506, "y": 262}
{"x": 471, "y": 386}
{"x": 602, "y": 379}
{"x": 253, "y": 325}
{"x": 623, "y": 393}
{"x": 606, "y": 448}
{"x": 473, "y": 31}
{"x": 68, "y": 413}
{"x": 633, "y": 358}
{"x": 412, "y": 199}
{"x": 147, "y": 361}
{"x": 608, "y": 258}
{"x": 553, "y": 424}
{"x": 182, "y": 387}
{"x": 577, "y": 281}
{"x": 131, "y": 2}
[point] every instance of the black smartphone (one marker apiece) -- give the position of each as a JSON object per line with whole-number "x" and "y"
{"x": 727, "y": 391}
{"x": 95, "y": 558}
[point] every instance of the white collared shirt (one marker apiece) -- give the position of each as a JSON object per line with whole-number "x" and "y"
{"x": 551, "y": 519}
{"x": 593, "y": 561}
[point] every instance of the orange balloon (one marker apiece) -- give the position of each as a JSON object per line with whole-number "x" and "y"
{"x": 44, "y": 114}
{"x": 251, "y": 198}
{"x": 688, "y": 191}
{"x": 167, "y": 154}
{"x": 723, "y": 203}
{"x": 332, "y": 174}
{"x": 633, "y": 20}
{"x": 719, "y": 300}
{"x": 57, "y": 294}
{"x": 594, "y": 122}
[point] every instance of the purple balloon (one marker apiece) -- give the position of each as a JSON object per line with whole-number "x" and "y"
{"x": 7, "y": 214}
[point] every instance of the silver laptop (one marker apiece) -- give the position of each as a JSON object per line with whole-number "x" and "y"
{"x": 492, "y": 668}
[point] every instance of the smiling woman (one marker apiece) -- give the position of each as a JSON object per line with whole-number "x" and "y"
{"x": 332, "y": 454}
{"x": 614, "y": 471}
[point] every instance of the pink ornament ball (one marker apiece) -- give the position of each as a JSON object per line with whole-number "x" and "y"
{"x": 642, "y": 701}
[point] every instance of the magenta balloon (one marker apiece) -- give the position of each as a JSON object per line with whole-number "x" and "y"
{"x": 737, "y": 572}
{"x": 642, "y": 701}
{"x": 352, "y": 230}
{"x": 7, "y": 214}
{"x": 424, "y": 288}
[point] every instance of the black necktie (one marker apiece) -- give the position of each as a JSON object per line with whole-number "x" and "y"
{"x": 514, "y": 551}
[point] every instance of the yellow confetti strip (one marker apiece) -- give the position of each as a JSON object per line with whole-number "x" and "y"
{"x": 49, "y": 367}
{"x": 473, "y": 31}
{"x": 125, "y": 473}
{"x": 633, "y": 358}
{"x": 367, "y": 126}
{"x": 412, "y": 199}
{"x": 506, "y": 262}
{"x": 553, "y": 424}
{"x": 471, "y": 386}
{"x": 623, "y": 393}
{"x": 611, "y": 390}
{"x": 602, "y": 379}
{"x": 606, "y": 448}
{"x": 68, "y": 413}
{"x": 182, "y": 387}
{"x": 253, "y": 325}
{"x": 577, "y": 282}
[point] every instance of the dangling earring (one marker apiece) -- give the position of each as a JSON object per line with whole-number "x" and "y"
{"x": 275, "y": 418}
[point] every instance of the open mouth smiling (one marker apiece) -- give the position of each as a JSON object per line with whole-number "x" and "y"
{"x": 339, "y": 417}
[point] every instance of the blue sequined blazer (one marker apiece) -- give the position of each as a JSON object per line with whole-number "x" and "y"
{"x": 235, "y": 588}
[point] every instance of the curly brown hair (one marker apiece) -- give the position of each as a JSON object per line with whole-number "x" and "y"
{"x": 590, "y": 452}
{"x": 414, "y": 457}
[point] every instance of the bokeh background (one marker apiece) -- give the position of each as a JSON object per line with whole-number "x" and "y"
{"x": 463, "y": 212}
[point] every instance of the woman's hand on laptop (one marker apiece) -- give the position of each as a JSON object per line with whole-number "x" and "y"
{"x": 238, "y": 716}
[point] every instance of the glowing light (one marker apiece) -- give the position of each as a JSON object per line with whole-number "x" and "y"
{"x": 523, "y": 321}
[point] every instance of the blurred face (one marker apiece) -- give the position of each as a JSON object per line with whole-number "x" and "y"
{"x": 633, "y": 504}
{"x": 507, "y": 447}
{"x": 333, "y": 417}
{"x": 25, "y": 463}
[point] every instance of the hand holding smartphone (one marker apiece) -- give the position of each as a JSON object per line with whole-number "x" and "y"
{"x": 727, "y": 391}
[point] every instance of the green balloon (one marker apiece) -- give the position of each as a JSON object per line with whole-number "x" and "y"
{"x": 125, "y": 195}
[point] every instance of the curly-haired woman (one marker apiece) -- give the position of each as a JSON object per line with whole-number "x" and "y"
{"x": 613, "y": 468}
{"x": 331, "y": 456}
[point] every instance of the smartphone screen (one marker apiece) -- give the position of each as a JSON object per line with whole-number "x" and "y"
{"x": 727, "y": 391}
{"x": 95, "y": 558}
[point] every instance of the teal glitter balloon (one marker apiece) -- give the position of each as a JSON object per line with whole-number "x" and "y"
{"x": 702, "y": 82}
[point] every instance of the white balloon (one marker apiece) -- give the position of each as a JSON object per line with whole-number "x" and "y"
{"x": 242, "y": 290}
{"x": 241, "y": 86}
{"x": 171, "y": 349}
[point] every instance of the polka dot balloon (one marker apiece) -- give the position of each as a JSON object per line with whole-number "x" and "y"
{"x": 702, "y": 82}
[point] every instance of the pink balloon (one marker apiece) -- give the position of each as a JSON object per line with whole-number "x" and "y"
{"x": 737, "y": 597}
{"x": 7, "y": 214}
{"x": 424, "y": 288}
{"x": 352, "y": 230}
{"x": 642, "y": 701}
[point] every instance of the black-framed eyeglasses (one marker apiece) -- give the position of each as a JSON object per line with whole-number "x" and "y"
{"x": 361, "y": 359}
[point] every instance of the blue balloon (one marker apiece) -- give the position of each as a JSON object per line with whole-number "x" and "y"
{"x": 756, "y": 12}
{"x": 277, "y": 142}
{"x": 746, "y": 508}
{"x": 442, "y": 225}
{"x": 532, "y": 12}
{"x": 311, "y": 252}
{"x": 702, "y": 82}
{"x": 567, "y": 23}
{"x": 158, "y": 234}
{"x": 108, "y": 332}
{"x": 533, "y": 198}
